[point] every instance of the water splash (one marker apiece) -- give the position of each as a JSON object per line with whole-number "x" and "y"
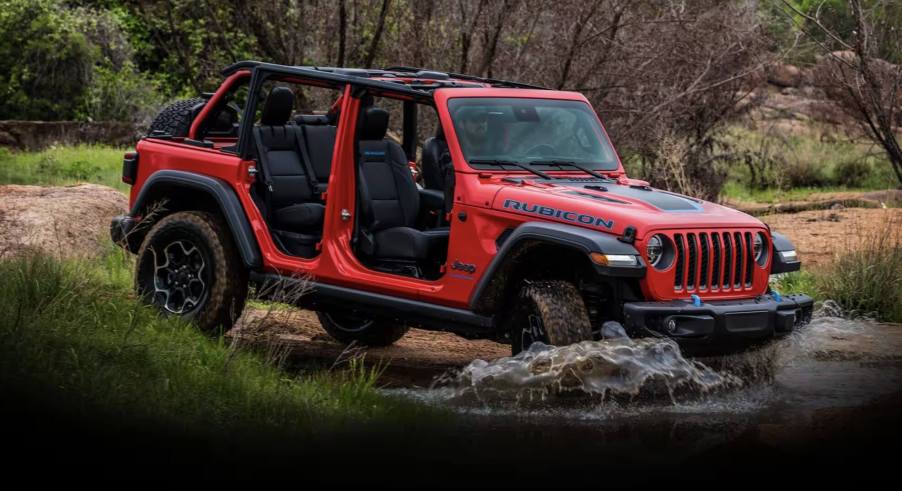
{"x": 618, "y": 377}
{"x": 615, "y": 365}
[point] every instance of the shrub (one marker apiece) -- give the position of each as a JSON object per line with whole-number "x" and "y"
{"x": 45, "y": 62}
{"x": 804, "y": 173}
{"x": 852, "y": 173}
{"x": 123, "y": 95}
{"x": 58, "y": 63}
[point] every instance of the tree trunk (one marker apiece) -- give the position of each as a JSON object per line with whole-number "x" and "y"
{"x": 374, "y": 46}
{"x": 342, "y": 32}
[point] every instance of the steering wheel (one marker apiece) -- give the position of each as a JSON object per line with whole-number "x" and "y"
{"x": 543, "y": 150}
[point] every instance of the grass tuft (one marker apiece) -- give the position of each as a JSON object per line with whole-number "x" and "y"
{"x": 866, "y": 276}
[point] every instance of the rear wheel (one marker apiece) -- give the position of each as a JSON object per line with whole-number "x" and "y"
{"x": 187, "y": 266}
{"x": 348, "y": 328}
{"x": 552, "y": 312}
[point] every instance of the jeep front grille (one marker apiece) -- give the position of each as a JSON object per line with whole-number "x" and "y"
{"x": 714, "y": 261}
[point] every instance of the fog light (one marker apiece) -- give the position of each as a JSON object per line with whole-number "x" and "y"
{"x": 671, "y": 326}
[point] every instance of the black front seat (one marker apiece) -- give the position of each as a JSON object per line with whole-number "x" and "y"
{"x": 438, "y": 171}
{"x": 291, "y": 200}
{"x": 389, "y": 198}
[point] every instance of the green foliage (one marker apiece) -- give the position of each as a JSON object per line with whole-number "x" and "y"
{"x": 836, "y": 16}
{"x": 123, "y": 95}
{"x": 45, "y": 62}
{"x": 64, "y": 165}
{"x": 185, "y": 44}
{"x": 60, "y": 63}
{"x": 771, "y": 166}
{"x": 852, "y": 173}
{"x": 73, "y": 330}
{"x": 796, "y": 282}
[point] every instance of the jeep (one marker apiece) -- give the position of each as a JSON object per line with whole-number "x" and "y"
{"x": 509, "y": 217}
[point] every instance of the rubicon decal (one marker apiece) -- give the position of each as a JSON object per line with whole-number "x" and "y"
{"x": 547, "y": 211}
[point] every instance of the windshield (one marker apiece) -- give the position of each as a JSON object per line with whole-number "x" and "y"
{"x": 532, "y": 131}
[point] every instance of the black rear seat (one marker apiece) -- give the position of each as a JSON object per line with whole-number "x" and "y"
{"x": 320, "y": 143}
{"x": 291, "y": 186}
{"x": 319, "y": 134}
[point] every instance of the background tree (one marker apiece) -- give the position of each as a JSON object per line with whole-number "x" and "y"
{"x": 852, "y": 72}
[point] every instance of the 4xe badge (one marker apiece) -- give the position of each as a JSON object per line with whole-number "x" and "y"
{"x": 466, "y": 268}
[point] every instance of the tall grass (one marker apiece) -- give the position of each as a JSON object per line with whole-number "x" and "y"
{"x": 63, "y": 165}
{"x": 865, "y": 278}
{"x": 74, "y": 332}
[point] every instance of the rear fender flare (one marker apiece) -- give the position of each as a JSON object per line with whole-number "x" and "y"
{"x": 224, "y": 196}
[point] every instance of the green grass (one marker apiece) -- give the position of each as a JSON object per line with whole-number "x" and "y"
{"x": 73, "y": 331}
{"x": 64, "y": 165}
{"x": 802, "y": 164}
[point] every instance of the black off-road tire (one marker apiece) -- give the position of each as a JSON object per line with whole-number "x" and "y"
{"x": 552, "y": 312}
{"x": 348, "y": 328}
{"x": 176, "y": 118}
{"x": 223, "y": 274}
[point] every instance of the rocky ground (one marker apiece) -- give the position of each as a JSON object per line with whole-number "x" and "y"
{"x": 68, "y": 221}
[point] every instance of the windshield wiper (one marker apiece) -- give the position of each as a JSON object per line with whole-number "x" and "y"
{"x": 570, "y": 163}
{"x": 502, "y": 163}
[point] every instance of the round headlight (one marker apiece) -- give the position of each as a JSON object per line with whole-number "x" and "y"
{"x": 759, "y": 249}
{"x": 654, "y": 250}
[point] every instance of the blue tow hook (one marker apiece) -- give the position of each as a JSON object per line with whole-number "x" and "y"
{"x": 696, "y": 300}
{"x": 776, "y": 296}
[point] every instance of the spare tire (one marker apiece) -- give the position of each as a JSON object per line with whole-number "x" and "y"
{"x": 176, "y": 118}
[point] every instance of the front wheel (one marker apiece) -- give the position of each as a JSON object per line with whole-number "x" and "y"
{"x": 551, "y": 312}
{"x": 189, "y": 267}
{"x": 348, "y": 328}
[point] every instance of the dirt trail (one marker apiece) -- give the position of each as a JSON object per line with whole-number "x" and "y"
{"x": 822, "y": 201}
{"x": 416, "y": 358}
{"x": 70, "y": 221}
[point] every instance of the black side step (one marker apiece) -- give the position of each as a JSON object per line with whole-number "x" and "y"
{"x": 421, "y": 314}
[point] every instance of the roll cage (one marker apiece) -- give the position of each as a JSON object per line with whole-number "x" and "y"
{"x": 413, "y": 85}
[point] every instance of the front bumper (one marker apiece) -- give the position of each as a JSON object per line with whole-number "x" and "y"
{"x": 719, "y": 327}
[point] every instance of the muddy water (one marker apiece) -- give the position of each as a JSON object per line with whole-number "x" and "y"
{"x": 827, "y": 377}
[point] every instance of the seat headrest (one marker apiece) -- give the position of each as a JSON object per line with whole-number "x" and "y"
{"x": 375, "y": 124}
{"x": 278, "y": 106}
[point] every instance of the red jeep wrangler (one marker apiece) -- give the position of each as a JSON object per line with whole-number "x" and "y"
{"x": 523, "y": 226}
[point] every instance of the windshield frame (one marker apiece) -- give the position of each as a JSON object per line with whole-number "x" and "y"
{"x": 612, "y": 166}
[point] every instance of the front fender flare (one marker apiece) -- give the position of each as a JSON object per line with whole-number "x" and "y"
{"x": 780, "y": 265}
{"x": 569, "y": 236}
